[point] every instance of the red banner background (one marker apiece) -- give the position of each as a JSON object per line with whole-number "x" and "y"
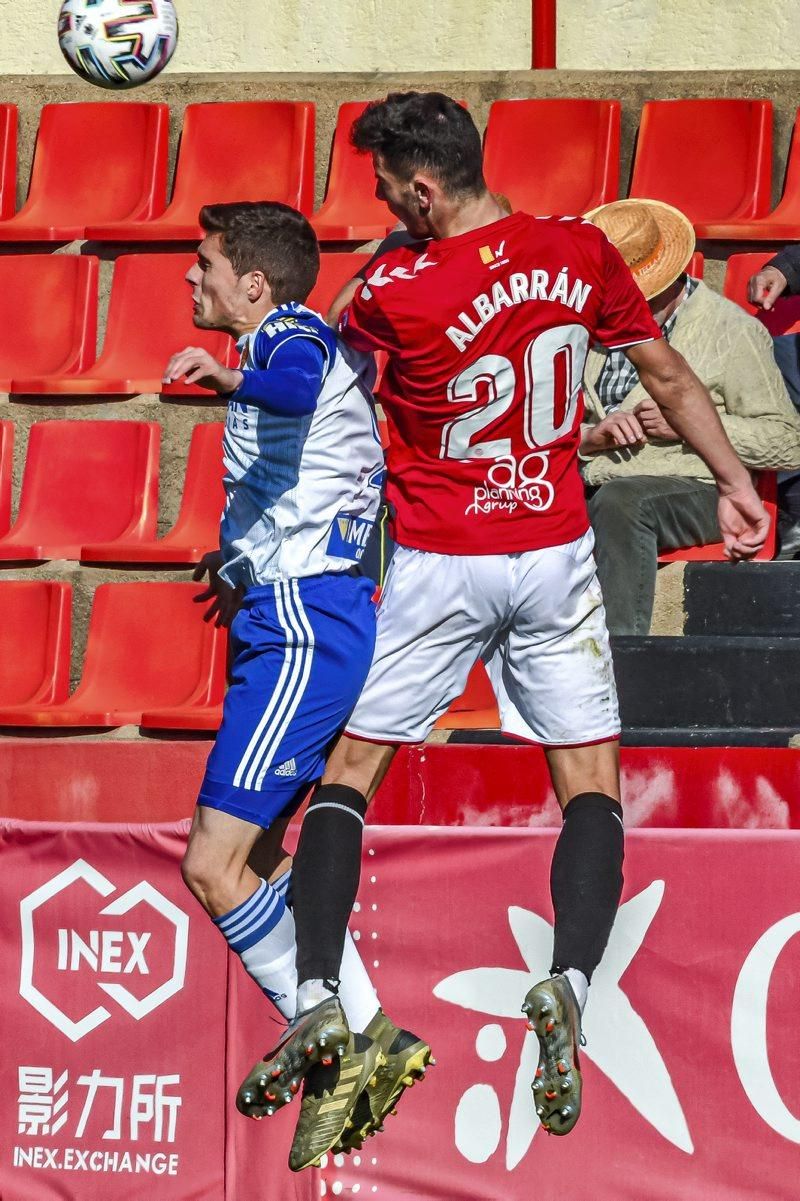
{"x": 193, "y": 1046}
{"x": 691, "y": 1088}
{"x": 701, "y": 975}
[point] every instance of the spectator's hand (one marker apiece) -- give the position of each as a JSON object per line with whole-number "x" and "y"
{"x": 653, "y": 421}
{"x": 618, "y": 429}
{"x": 225, "y": 601}
{"x": 744, "y": 523}
{"x": 197, "y": 366}
{"x": 765, "y": 287}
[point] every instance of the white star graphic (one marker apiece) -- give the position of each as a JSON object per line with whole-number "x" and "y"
{"x": 617, "y": 1039}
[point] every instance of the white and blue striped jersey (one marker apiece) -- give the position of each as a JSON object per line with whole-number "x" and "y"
{"x": 302, "y": 487}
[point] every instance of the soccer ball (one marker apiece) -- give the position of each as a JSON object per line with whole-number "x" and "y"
{"x": 117, "y": 43}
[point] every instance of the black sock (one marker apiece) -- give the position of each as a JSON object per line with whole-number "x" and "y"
{"x": 325, "y": 876}
{"x": 586, "y": 880}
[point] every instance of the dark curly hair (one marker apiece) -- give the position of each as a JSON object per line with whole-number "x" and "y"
{"x": 267, "y": 236}
{"x": 423, "y": 131}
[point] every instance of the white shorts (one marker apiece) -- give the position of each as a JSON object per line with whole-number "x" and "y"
{"x": 535, "y": 618}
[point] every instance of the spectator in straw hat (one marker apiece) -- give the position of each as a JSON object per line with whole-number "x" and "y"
{"x": 649, "y": 491}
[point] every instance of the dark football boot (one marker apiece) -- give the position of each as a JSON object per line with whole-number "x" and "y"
{"x": 319, "y": 1035}
{"x": 406, "y": 1061}
{"x": 330, "y": 1098}
{"x": 554, "y": 1016}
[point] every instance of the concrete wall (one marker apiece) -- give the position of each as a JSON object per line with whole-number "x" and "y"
{"x": 674, "y": 35}
{"x": 468, "y": 35}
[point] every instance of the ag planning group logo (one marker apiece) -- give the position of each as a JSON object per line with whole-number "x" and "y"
{"x": 133, "y": 949}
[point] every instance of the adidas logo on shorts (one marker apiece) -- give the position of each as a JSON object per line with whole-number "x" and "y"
{"x": 289, "y": 768}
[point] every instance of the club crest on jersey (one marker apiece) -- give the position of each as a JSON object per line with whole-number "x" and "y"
{"x": 348, "y": 537}
{"x": 493, "y": 258}
{"x": 381, "y": 277}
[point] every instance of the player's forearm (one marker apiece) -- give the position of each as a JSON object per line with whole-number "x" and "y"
{"x": 689, "y": 409}
{"x": 287, "y": 392}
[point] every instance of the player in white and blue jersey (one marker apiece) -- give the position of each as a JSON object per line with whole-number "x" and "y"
{"x": 303, "y": 472}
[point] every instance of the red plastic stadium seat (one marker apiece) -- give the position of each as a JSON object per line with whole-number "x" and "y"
{"x": 351, "y": 211}
{"x": 48, "y": 313}
{"x": 148, "y": 647}
{"x": 93, "y": 163}
{"x": 712, "y": 552}
{"x": 85, "y": 481}
{"x": 149, "y": 318}
{"x": 6, "y": 470}
{"x": 553, "y": 156}
{"x": 783, "y": 223}
{"x": 334, "y": 272}
{"x": 697, "y": 265}
{"x": 712, "y": 159}
{"x": 35, "y": 622}
{"x": 784, "y": 318}
{"x": 738, "y": 270}
{"x": 254, "y": 150}
{"x": 197, "y": 528}
{"x": 201, "y": 711}
{"x": 8, "y": 160}
{"x": 476, "y": 708}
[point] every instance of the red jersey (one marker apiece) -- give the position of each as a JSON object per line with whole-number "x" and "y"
{"x": 487, "y": 335}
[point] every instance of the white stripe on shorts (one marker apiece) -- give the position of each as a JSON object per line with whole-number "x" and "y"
{"x": 292, "y": 664}
{"x": 295, "y": 616}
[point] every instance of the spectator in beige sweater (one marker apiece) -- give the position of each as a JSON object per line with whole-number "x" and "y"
{"x": 648, "y": 491}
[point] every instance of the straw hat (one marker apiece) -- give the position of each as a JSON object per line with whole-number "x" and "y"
{"x": 655, "y": 240}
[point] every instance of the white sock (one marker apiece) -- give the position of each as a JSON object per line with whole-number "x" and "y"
{"x": 356, "y": 990}
{"x": 311, "y": 993}
{"x": 580, "y": 986}
{"x": 271, "y": 963}
{"x": 261, "y": 932}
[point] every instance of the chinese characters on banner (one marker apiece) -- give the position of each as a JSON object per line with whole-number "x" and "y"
{"x": 117, "y": 1029}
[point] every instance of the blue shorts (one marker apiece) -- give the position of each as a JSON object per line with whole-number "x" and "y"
{"x": 301, "y": 652}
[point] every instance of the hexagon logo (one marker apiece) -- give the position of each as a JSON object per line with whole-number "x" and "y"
{"x": 103, "y": 952}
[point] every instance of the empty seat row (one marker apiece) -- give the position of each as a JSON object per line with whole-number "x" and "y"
{"x": 148, "y": 648}
{"x": 50, "y": 347}
{"x": 151, "y": 660}
{"x": 712, "y": 158}
{"x": 104, "y": 165}
{"x": 90, "y": 491}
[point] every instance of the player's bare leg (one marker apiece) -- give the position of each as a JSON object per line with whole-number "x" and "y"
{"x": 218, "y": 870}
{"x": 586, "y": 882}
{"x": 326, "y": 871}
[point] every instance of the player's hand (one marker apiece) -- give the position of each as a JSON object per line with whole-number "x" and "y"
{"x": 197, "y": 366}
{"x": 653, "y": 421}
{"x": 618, "y": 429}
{"x": 744, "y": 523}
{"x": 225, "y": 601}
{"x": 765, "y": 287}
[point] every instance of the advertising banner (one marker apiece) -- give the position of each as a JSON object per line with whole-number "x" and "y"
{"x": 691, "y": 1088}
{"x": 114, "y": 1019}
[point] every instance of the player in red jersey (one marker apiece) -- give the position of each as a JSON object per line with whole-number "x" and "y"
{"x": 487, "y": 327}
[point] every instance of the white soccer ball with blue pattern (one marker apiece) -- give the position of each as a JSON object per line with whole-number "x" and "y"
{"x": 117, "y": 43}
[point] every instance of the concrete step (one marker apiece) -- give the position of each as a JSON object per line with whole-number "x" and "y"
{"x": 708, "y": 683}
{"x": 742, "y": 600}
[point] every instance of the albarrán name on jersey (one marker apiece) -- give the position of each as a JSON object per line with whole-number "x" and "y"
{"x": 517, "y": 289}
